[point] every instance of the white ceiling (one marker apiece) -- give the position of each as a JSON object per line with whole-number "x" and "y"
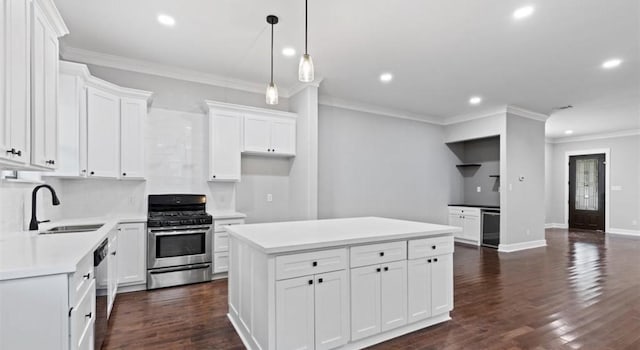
{"x": 441, "y": 52}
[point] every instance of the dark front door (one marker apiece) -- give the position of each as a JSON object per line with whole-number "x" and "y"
{"x": 586, "y": 192}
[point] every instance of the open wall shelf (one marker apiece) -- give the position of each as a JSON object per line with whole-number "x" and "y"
{"x": 498, "y": 176}
{"x": 468, "y": 165}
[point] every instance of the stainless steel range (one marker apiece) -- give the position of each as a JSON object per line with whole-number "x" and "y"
{"x": 179, "y": 240}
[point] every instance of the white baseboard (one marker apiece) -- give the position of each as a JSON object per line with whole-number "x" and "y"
{"x": 508, "y": 248}
{"x": 624, "y": 232}
{"x": 555, "y": 225}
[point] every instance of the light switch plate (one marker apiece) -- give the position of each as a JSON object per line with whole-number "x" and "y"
{"x": 269, "y": 197}
{"x": 479, "y": 189}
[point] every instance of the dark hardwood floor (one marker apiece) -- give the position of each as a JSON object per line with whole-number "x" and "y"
{"x": 581, "y": 291}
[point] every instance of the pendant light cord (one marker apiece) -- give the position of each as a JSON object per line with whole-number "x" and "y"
{"x": 306, "y": 26}
{"x": 271, "y": 53}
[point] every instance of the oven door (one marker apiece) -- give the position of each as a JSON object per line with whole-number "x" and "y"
{"x": 175, "y": 246}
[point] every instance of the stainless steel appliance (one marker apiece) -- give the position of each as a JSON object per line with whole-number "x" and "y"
{"x": 491, "y": 228}
{"x": 101, "y": 271}
{"x": 179, "y": 240}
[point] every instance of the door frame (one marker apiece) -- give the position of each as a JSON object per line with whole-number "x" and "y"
{"x": 607, "y": 179}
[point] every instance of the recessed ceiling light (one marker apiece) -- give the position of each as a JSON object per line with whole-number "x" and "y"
{"x": 523, "y": 12}
{"x": 386, "y": 77}
{"x": 475, "y": 100}
{"x": 612, "y": 63}
{"x": 166, "y": 20}
{"x": 289, "y": 51}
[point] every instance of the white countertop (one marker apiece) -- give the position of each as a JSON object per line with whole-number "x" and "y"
{"x": 220, "y": 215}
{"x": 28, "y": 254}
{"x": 281, "y": 237}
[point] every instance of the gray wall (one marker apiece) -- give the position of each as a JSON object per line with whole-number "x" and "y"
{"x": 523, "y": 203}
{"x": 625, "y": 173}
{"x": 376, "y": 165}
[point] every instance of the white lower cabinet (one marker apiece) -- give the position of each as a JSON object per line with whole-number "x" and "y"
{"x": 83, "y": 320}
{"x": 430, "y": 287}
{"x": 131, "y": 254}
{"x": 469, "y": 220}
{"x": 112, "y": 278}
{"x": 312, "y": 312}
{"x": 379, "y": 298}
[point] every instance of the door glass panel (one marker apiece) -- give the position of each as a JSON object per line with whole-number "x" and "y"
{"x": 586, "y": 184}
{"x": 180, "y": 245}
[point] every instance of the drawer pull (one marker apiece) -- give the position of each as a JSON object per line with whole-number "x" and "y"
{"x": 87, "y": 276}
{"x": 320, "y": 280}
{"x": 386, "y": 268}
{"x": 314, "y": 264}
{"x": 429, "y": 260}
{"x": 381, "y": 253}
{"x": 310, "y": 281}
{"x": 88, "y": 315}
{"x": 435, "y": 260}
{"x": 433, "y": 247}
{"x": 378, "y": 269}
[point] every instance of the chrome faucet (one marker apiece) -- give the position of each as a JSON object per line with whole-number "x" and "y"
{"x": 33, "y": 226}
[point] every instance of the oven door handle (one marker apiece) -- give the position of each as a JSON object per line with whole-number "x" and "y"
{"x": 180, "y": 268}
{"x": 177, "y": 232}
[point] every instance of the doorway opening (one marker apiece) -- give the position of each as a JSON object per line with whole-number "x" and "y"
{"x": 587, "y": 192}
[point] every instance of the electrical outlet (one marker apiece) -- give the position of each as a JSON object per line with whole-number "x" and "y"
{"x": 479, "y": 189}
{"x": 269, "y": 197}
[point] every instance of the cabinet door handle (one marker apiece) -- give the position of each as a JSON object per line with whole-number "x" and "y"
{"x": 114, "y": 253}
{"x": 91, "y": 173}
{"x": 381, "y": 253}
{"x": 18, "y": 153}
{"x": 435, "y": 260}
{"x": 11, "y": 151}
{"x": 124, "y": 174}
{"x": 214, "y": 176}
{"x": 314, "y": 264}
{"x": 319, "y": 280}
{"x": 386, "y": 268}
{"x": 433, "y": 247}
{"x": 378, "y": 269}
{"x": 310, "y": 281}
{"x": 88, "y": 315}
{"x": 84, "y": 171}
{"x": 87, "y": 276}
{"x": 429, "y": 260}
{"x": 273, "y": 150}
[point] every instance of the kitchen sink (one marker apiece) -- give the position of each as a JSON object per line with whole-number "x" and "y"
{"x": 72, "y": 228}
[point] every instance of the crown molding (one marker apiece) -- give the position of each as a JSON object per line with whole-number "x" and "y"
{"x": 232, "y": 107}
{"x": 301, "y": 86}
{"x": 53, "y": 16}
{"x": 162, "y": 70}
{"x": 525, "y": 113}
{"x": 598, "y": 136}
{"x": 373, "y": 109}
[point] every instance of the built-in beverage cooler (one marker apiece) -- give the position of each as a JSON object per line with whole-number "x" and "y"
{"x": 490, "y": 228}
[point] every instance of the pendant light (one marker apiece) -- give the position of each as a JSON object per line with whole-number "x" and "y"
{"x": 305, "y": 69}
{"x": 272, "y": 89}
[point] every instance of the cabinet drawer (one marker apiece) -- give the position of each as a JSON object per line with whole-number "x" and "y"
{"x": 82, "y": 317}
{"x": 378, "y": 253}
{"x": 220, "y": 262}
{"x": 220, "y": 242}
{"x": 421, "y": 248}
{"x": 81, "y": 279}
{"x": 296, "y": 265}
{"x": 464, "y": 211}
{"x": 219, "y": 225}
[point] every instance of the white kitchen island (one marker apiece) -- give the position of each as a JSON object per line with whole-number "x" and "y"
{"x": 340, "y": 283}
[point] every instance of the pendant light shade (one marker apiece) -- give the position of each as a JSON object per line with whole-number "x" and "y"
{"x": 305, "y": 69}
{"x": 272, "y": 89}
{"x": 272, "y": 94}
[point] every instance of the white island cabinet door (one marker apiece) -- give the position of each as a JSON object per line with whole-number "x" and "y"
{"x": 283, "y": 136}
{"x": 295, "y": 314}
{"x": 225, "y": 146}
{"x": 442, "y": 286}
{"x": 332, "y": 310}
{"x": 103, "y": 119}
{"x": 257, "y": 134}
{"x": 134, "y": 112}
{"x": 365, "y": 301}
{"x": 419, "y": 289}
{"x": 393, "y": 290}
{"x": 132, "y": 253}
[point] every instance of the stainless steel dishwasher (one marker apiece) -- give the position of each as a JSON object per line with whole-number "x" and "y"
{"x": 491, "y": 228}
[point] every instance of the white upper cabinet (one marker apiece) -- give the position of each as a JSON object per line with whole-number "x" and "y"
{"x": 132, "y": 121}
{"x": 103, "y": 128}
{"x": 225, "y": 144}
{"x": 29, "y": 32}
{"x": 269, "y": 135}
{"x": 44, "y": 91}
{"x": 100, "y": 127}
